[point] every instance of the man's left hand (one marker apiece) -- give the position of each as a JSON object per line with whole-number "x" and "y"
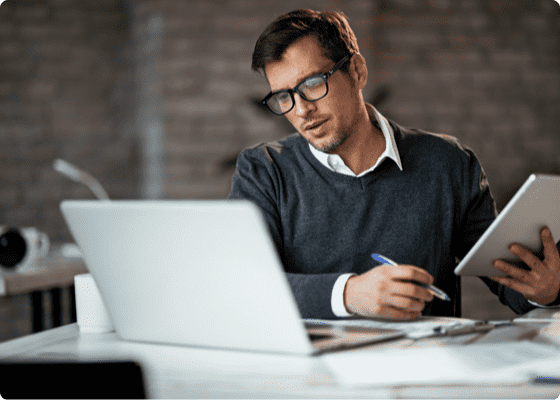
{"x": 541, "y": 283}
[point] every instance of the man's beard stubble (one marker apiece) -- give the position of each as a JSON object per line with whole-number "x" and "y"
{"x": 331, "y": 147}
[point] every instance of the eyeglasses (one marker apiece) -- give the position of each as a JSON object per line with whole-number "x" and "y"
{"x": 311, "y": 89}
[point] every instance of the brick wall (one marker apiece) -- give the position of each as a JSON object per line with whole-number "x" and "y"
{"x": 75, "y": 73}
{"x": 65, "y": 92}
{"x": 487, "y": 72}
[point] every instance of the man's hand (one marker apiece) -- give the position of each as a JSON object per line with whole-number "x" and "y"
{"x": 383, "y": 292}
{"x": 540, "y": 284}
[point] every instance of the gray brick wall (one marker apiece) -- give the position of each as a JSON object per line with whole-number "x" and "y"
{"x": 487, "y": 72}
{"x": 484, "y": 71}
{"x": 65, "y": 91}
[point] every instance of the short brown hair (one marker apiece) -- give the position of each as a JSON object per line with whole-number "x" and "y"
{"x": 331, "y": 29}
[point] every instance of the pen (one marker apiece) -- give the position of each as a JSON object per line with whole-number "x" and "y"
{"x": 437, "y": 292}
{"x": 547, "y": 380}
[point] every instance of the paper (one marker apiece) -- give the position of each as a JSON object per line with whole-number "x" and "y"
{"x": 488, "y": 363}
{"x": 540, "y": 315}
{"x": 552, "y": 331}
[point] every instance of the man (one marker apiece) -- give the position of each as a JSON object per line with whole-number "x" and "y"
{"x": 350, "y": 183}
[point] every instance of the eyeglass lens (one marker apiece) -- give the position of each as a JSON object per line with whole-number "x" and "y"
{"x": 312, "y": 88}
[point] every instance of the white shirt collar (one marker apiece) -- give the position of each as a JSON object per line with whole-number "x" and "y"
{"x": 335, "y": 163}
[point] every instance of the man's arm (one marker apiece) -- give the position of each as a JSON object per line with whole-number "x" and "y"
{"x": 257, "y": 180}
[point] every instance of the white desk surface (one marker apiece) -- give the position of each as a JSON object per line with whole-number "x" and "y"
{"x": 186, "y": 372}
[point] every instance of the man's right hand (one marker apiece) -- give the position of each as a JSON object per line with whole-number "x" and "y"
{"x": 383, "y": 292}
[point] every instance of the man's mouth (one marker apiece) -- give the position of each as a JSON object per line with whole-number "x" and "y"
{"x": 312, "y": 125}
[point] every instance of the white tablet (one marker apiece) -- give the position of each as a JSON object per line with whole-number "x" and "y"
{"x": 536, "y": 204}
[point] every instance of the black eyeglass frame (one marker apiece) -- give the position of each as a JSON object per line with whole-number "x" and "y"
{"x": 295, "y": 89}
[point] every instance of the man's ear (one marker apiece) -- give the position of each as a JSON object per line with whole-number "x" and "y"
{"x": 358, "y": 70}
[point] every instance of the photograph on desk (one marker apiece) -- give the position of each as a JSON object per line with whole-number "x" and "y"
{"x": 395, "y": 128}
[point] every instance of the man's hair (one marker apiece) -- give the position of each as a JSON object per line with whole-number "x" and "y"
{"x": 331, "y": 29}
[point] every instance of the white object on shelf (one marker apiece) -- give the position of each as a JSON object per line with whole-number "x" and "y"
{"x": 70, "y": 250}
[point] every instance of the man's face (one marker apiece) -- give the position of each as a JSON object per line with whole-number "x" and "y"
{"x": 325, "y": 123}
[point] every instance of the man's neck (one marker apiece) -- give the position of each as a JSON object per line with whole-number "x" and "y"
{"x": 363, "y": 147}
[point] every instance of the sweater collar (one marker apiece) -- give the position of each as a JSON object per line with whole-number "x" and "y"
{"x": 335, "y": 163}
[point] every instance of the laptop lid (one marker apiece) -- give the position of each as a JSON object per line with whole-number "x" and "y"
{"x": 197, "y": 273}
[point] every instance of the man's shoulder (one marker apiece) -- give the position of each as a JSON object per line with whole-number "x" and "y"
{"x": 418, "y": 139}
{"x": 289, "y": 146}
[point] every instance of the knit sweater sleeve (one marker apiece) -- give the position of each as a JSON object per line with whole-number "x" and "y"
{"x": 258, "y": 180}
{"x": 480, "y": 212}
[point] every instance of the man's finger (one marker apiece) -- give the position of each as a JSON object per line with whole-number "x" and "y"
{"x": 512, "y": 271}
{"x": 401, "y": 314}
{"x": 514, "y": 284}
{"x": 411, "y": 273}
{"x": 412, "y": 290}
{"x": 526, "y": 256}
{"x": 550, "y": 249}
{"x": 404, "y": 303}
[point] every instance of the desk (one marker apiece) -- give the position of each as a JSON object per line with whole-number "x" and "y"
{"x": 187, "y": 372}
{"x": 48, "y": 276}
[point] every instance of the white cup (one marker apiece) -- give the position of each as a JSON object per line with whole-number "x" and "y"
{"x": 37, "y": 246}
{"x": 92, "y": 315}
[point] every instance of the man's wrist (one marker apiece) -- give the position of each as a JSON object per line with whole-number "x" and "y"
{"x": 554, "y": 304}
{"x": 541, "y": 306}
{"x": 337, "y": 298}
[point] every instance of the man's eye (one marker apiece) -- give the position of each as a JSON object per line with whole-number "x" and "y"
{"x": 283, "y": 97}
{"x": 312, "y": 82}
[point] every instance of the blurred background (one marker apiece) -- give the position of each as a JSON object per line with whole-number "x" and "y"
{"x": 156, "y": 98}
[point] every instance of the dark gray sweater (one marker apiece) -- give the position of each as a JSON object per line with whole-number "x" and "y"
{"x": 325, "y": 223}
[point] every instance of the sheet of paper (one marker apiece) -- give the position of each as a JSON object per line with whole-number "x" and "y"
{"x": 552, "y": 332}
{"x": 489, "y": 363}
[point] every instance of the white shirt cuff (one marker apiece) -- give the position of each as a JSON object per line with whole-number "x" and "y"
{"x": 337, "y": 297}
{"x": 540, "y": 306}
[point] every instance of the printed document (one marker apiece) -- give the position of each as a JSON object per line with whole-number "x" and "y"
{"x": 508, "y": 362}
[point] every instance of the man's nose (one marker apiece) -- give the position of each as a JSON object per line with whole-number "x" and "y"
{"x": 303, "y": 107}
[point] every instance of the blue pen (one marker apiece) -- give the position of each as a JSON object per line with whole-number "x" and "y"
{"x": 437, "y": 292}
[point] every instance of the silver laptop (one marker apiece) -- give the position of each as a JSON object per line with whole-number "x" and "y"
{"x": 198, "y": 273}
